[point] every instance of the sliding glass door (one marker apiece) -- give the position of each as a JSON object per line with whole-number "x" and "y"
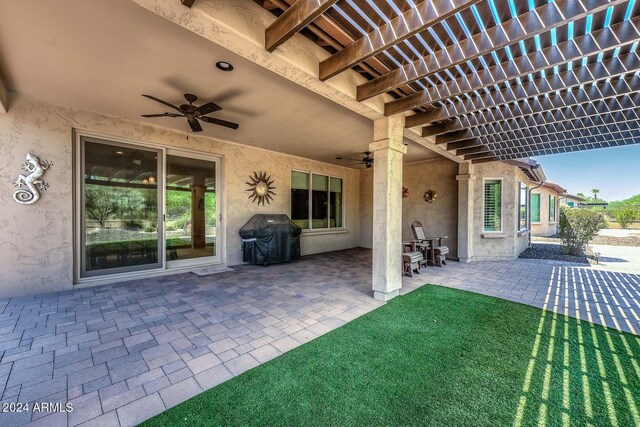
{"x": 121, "y": 200}
{"x": 142, "y": 208}
{"x": 192, "y": 219}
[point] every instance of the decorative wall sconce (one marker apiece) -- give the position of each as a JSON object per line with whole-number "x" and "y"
{"x": 430, "y": 196}
{"x": 32, "y": 181}
{"x": 405, "y": 192}
{"x": 261, "y": 188}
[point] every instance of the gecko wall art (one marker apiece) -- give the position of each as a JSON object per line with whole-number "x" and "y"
{"x": 32, "y": 180}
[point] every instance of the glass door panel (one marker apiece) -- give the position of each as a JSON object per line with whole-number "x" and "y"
{"x": 191, "y": 210}
{"x": 121, "y": 228}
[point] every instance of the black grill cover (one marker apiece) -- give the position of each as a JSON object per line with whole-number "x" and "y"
{"x": 269, "y": 239}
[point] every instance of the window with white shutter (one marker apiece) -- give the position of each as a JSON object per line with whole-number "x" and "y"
{"x": 492, "y": 205}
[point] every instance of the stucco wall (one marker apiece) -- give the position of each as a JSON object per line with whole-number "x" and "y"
{"x": 507, "y": 244}
{"x": 545, "y": 227}
{"x": 37, "y": 243}
{"x": 438, "y": 218}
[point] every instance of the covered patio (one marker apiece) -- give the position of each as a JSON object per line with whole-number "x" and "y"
{"x": 124, "y": 353}
{"x": 359, "y": 113}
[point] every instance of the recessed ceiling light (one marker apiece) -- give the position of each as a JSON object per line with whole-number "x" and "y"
{"x": 224, "y": 66}
{"x": 119, "y": 152}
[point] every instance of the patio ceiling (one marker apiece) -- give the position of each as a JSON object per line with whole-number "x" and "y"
{"x": 102, "y": 55}
{"x": 490, "y": 79}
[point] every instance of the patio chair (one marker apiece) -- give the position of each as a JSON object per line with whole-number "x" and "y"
{"x": 436, "y": 252}
{"x": 411, "y": 262}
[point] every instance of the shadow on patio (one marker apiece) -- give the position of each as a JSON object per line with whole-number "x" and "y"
{"x": 576, "y": 367}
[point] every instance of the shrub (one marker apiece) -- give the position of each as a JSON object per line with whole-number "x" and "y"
{"x": 578, "y": 227}
{"x": 132, "y": 225}
{"x": 625, "y": 215}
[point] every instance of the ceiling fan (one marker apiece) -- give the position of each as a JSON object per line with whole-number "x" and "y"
{"x": 193, "y": 113}
{"x": 367, "y": 160}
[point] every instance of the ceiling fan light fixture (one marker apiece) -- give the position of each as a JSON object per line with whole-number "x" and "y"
{"x": 224, "y": 66}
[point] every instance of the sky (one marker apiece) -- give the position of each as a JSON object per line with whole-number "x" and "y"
{"x": 615, "y": 171}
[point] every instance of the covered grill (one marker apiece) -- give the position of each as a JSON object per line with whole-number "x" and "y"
{"x": 268, "y": 239}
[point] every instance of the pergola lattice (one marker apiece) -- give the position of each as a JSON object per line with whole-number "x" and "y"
{"x": 491, "y": 79}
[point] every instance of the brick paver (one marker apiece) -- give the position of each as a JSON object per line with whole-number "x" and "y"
{"x": 123, "y": 353}
{"x": 605, "y": 297}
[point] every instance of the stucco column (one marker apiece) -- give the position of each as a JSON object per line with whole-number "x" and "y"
{"x": 388, "y": 148}
{"x": 466, "y": 188}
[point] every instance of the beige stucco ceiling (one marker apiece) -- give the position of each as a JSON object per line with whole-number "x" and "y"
{"x": 101, "y": 55}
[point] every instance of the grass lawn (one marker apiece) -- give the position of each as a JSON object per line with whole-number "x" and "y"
{"x": 439, "y": 357}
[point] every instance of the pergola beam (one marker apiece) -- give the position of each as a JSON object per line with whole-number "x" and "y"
{"x": 467, "y": 143}
{"x": 477, "y": 156}
{"x": 294, "y": 19}
{"x": 440, "y": 128}
{"x": 546, "y": 59}
{"x": 472, "y": 150}
{"x": 509, "y": 33}
{"x": 426, "y": 14}
{"x": 486, "y": 160}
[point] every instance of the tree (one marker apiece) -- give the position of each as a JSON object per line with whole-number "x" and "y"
{"x": 595, "y": 192}
{"x": 625, "y": 215}
{"x": 100, "y": 203}
{"x": 582, "y": 196}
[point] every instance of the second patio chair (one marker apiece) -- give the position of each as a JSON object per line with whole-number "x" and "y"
{"x": 436, "y": 252}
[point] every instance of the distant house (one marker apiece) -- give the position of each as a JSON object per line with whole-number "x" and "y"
{"x": 545, "y": 207}
{"x": 571, "y": 200}
{"x": 596, "y": 206}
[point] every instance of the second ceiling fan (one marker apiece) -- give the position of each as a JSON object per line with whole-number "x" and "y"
{"x": 367, "y": 160}
{"x": 192, "y": 113}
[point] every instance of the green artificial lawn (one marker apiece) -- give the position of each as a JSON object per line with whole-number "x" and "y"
{"x": 437, "y": 357}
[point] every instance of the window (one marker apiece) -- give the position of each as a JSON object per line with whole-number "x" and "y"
{"x": 493, "y": 205}
{"x": 522, "y": 208}
{"x": 316, "y": 201}
{"x": 120, "y": 201}
{"x": 535, "y": 208}
{"x": 552, "y": 208}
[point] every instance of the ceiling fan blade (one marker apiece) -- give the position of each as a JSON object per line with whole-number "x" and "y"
{"x": 162, "y": 102}
{"x": 162, "y": 115}
{"x": 195, "y": 126}
{"x": 219, "y": 122}
{"x": 207, "y": 108}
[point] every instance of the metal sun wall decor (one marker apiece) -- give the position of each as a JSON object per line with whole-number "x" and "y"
{"x": 430, "y": 196}
{"x": 405, "y": 192}
{"x": 32, "y": 181}
{"x": 261, "y": 188}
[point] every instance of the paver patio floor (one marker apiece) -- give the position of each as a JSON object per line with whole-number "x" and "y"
{"x": 123, "y": 353}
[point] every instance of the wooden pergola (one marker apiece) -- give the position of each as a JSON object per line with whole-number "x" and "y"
{"x": 489, "y": 79}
